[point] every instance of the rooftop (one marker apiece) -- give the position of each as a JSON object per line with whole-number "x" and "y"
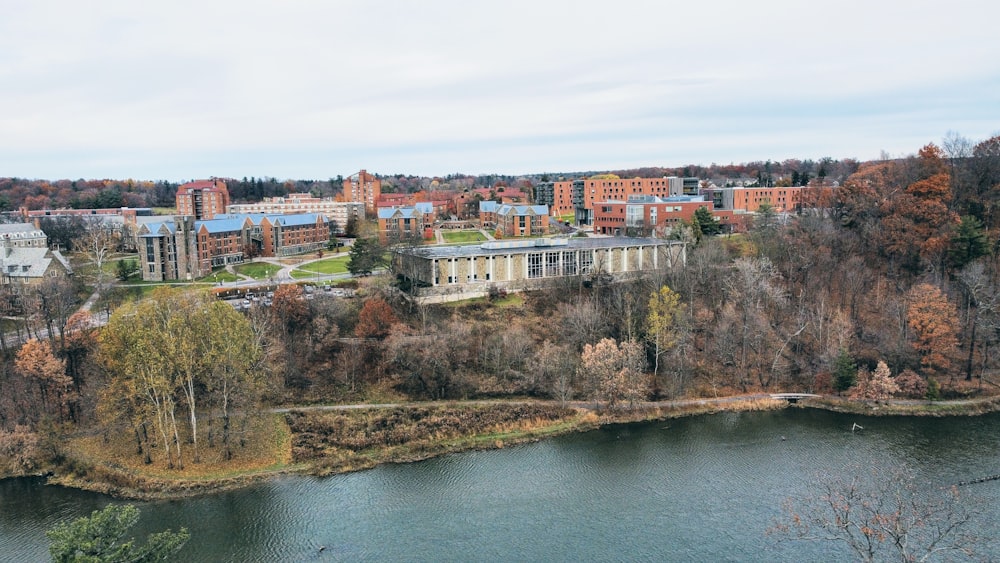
{"x": 524, "y": 246}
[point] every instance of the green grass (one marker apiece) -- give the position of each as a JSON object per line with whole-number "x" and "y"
{"x": 258, "y": 270}
{"x": 462, "y": 236}
{"x": 333, "y": 265}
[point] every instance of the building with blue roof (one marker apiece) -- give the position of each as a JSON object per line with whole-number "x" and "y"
{"x": 181, "y": 248}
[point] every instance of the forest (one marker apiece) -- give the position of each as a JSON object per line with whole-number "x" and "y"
{"x": 885, "y": 286}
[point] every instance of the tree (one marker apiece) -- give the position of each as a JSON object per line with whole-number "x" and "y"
{"x": 844, "y": 372}
{"x": 881, "y": 516}
{"x": 100, "y": 538}
{"x": 661, "y": 323}
{"x": 366, "y": 256}
{"x": 706, "y": 222}
{"x": 124, "y": 269}
{"x": 613, "y": 373}
{"x": 97, "y": 243}
{"x": 969, "y": 242}
{"x": 375, "y": 319}
{"x": 35, "y": 360}
{"x": 877, "y": 385}
{"x": 168, "y": 348}
{"x": 933, "y": 322}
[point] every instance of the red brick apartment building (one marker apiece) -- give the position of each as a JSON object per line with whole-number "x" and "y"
{"x": 363, "y": 187}
{"x": 645, "y": 215}
{"x": 749, "y": 200}
{"x": 182, "y": 248}
{"x": 202, "y": 199}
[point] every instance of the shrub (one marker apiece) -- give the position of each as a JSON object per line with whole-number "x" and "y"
{"x": 911, "y": 385}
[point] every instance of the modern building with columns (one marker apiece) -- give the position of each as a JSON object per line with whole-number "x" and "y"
{"x": 515, "y": 265}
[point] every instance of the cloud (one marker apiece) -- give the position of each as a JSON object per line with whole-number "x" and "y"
{"x": 313, "y": 89}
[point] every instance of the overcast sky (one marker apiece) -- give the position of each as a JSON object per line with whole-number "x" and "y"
{"x": 294, "y": 89}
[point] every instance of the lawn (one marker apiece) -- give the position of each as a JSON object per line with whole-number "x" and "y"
{"x": 333, "y": 265}
{"x": 462, "y": 236}
{"x": 258, "y": 270}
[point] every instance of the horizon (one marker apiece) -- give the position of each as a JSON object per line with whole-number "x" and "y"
{"x": 116, "y": 89}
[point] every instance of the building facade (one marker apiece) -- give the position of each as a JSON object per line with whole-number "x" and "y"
{"x": 749, "y": 200}
{"x": 202, "y": 199}
{"x": 397, "y": 224}
{"x": 522, "y": 220}
{"x": 645, "y": 215}
{"x": 23, "y": 235}
{"x": 557, "y": 195}
{"x": 365, "y": 188}
{"x": 530, "y": 263}
{"x": 589, "y": 191}
{"x": 338, "y": 212}
{"x": 184, "y": 249}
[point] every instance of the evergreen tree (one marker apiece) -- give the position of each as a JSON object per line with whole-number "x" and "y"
{"x": 706, "y": 222}
{"x": 844, "y": 372}
{"x": 366, "y": 256}
{"x": 99, "y": 538}
{"x": 969, "y": 242}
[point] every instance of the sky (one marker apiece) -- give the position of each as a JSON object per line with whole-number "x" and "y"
{"x": 296, "y": 89}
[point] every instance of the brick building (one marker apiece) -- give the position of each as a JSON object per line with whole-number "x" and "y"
{"x": 202, "y": 199}
{"x": 363, "y": 187}
{"x": 404, "y": 223}
{"x": 182, "y": 248}
{"x": 645, "y": 215}
{"x": 522, "y": 220}
{"x": 587, "y": 192}
{"x": 338, "y": 212}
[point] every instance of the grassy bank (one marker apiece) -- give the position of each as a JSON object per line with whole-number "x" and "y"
{"x": 964, "y": 407}
{"x": 350, "y": 440}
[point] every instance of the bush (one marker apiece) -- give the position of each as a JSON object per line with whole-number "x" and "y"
{"x": 19, "y": 450}
{"x": 911, "y": 385}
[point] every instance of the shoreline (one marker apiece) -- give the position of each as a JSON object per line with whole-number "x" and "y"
{"x": 122, "y": 483}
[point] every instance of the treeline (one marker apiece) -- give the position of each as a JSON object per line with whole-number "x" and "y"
{"x": 100, "y": 194}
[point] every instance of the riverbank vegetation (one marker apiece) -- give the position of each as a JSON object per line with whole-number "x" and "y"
{"x": 881, "y": 287}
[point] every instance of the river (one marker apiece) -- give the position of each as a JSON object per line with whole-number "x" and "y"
{"x": 704, "y": 488}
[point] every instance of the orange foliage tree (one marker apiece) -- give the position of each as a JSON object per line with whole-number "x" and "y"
{"x": 375, "y": 319}
{"x": 933, "y": 323}
{"x": 36, "y": 360}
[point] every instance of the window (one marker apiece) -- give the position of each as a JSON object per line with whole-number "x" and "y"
{"x": 535, "y": 265}
{"x": 569, "y": 263}
{"x": 586, "y": 261}
{"x": 552, "y": 264}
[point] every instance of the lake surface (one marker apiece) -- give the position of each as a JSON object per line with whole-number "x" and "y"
{"x": 704, "y": 488}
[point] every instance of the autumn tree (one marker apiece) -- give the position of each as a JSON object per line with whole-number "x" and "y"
{"x": 875, "y": 385}
{"x": 613, "y": 373}
{"x": 375, "y": 319}
{"x": 173, "y": 347}
{"x": 661, "y": 322}
{"x": 933, "y": 324}
{"x": 35, "y": 360}
{"x": 553, "y": 365}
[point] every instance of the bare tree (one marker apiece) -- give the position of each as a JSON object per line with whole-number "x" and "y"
{"x": 97, "y": 242}
{"x": 882, "y": 515}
